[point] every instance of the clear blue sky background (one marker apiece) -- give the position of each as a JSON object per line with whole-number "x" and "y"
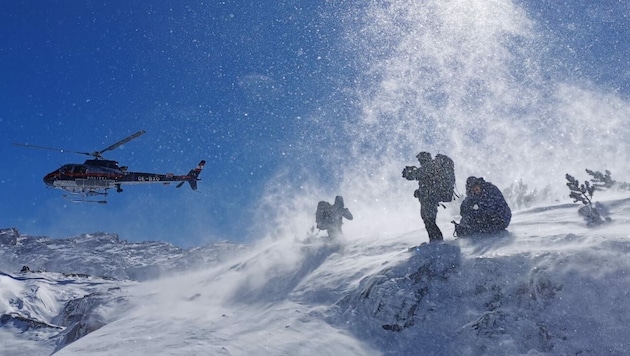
{"x": 221, "y": 81}
{"x": 251, "y": 87}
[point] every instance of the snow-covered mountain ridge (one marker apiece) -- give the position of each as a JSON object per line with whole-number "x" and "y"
{"x": 551, "y": 286}
{"x": 105, "y": 255}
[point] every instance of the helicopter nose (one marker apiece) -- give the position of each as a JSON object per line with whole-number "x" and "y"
{"x": 49, "y": 178}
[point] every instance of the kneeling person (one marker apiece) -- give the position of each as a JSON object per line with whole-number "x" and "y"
{"x": 484, "y": 210}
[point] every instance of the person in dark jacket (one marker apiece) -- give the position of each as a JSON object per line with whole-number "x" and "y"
{"x": 426, "y": 193}
{"x": 329, "y": 217}
{"x": 484, "y": 210}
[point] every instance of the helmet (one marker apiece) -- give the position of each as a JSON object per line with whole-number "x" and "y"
{"x": 423, "y": 157}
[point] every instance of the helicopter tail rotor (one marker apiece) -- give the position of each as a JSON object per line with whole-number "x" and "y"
{"x": 192, "y": 176}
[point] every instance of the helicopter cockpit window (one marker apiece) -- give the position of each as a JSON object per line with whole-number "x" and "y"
{"x": 66, "y": 169}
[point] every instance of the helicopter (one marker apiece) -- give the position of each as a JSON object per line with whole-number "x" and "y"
{"x": 94, "y": 177}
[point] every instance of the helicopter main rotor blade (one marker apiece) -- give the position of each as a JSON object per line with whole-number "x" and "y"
{"x": 52, "y": 149}
{"x": 119, "y": 143}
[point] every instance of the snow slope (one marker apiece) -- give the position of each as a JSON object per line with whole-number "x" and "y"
{"x": 43, "y": 311}
{"x": 550, "y": 286}
{"x": 55, "y": 291}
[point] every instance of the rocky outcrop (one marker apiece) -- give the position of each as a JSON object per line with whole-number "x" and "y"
{"x": 9, "y": 236}
{"x": 82, "y": 316}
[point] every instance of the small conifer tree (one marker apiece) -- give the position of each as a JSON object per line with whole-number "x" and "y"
{"x": 580, "y": 192}
{"x": 518, "y": 195}
{"x": 584, "y": 193}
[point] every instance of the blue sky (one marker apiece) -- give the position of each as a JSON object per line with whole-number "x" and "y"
{"x": 293, "y": 102}
{"x": 226, "y": 82}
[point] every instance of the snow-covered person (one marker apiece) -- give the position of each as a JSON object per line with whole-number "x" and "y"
{"x": 329, "y": 217}
{"x": 430, "y": 190}
{"x": 484, "y": 210}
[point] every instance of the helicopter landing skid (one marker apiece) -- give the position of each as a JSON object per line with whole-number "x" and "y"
{"x": 84, "y": 200}
{"x": 85, "y": 197}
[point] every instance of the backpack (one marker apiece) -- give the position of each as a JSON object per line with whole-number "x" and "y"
{"x": 445, "y": 177}
{"x": 323, "y": 215}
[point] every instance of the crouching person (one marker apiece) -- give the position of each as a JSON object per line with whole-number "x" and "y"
{"x": 484, "y": 210}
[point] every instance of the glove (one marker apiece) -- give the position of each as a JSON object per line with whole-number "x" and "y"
{"x": 409, "y": 172}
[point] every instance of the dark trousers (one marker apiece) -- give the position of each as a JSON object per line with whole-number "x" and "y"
{"x": 480, "y": 224}
{"x": 428, "y": 213}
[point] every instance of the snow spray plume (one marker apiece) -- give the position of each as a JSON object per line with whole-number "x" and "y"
{"x": 474, "y": 80}
{"x": 467, "y": 79}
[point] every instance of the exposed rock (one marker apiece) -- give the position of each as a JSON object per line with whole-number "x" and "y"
{"x": 9, "y": 236}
